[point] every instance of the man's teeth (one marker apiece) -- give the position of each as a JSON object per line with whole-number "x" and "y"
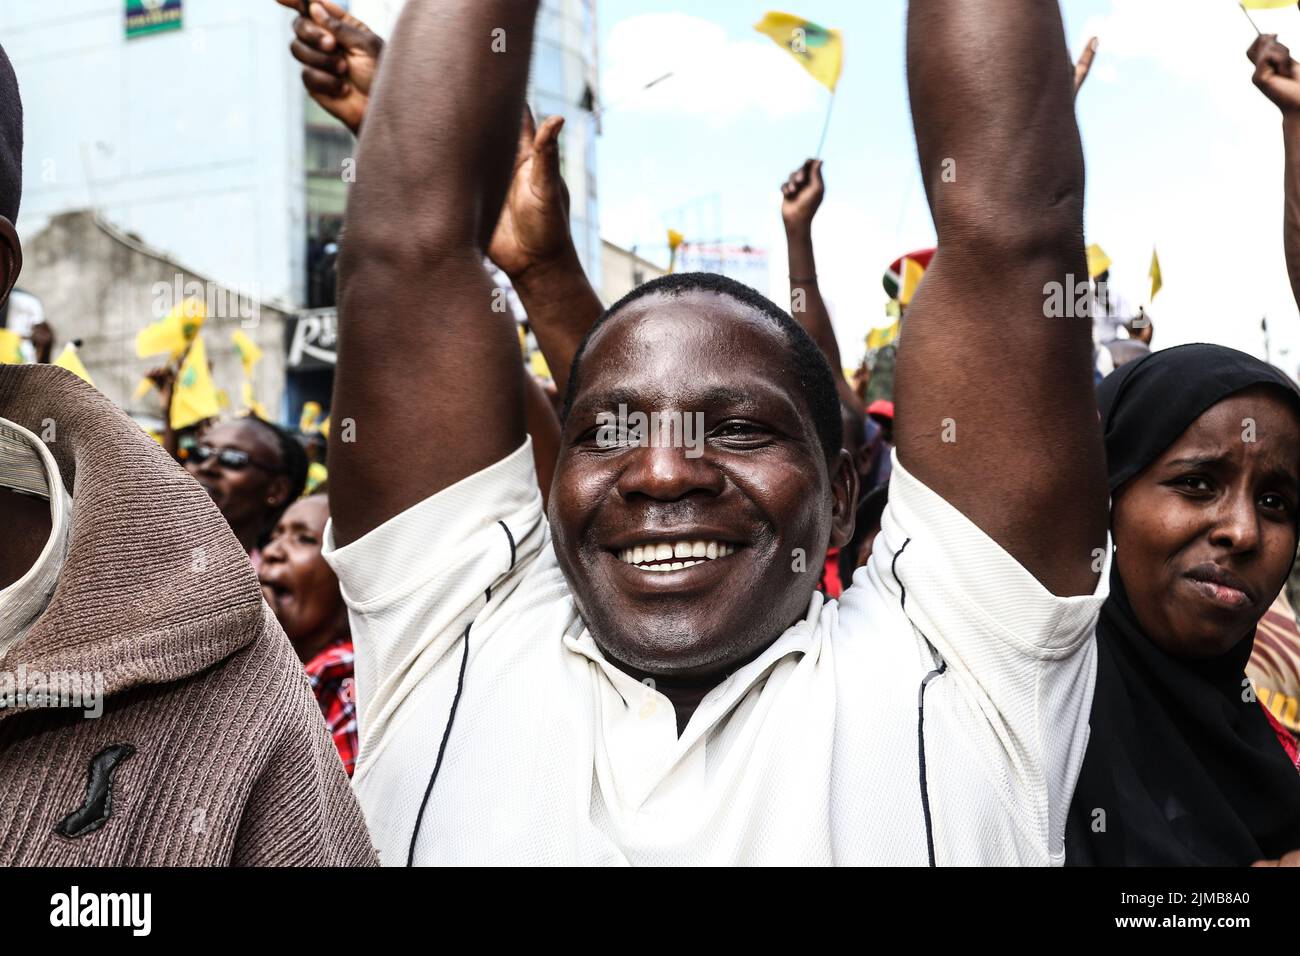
{"x": 673, "y": 557}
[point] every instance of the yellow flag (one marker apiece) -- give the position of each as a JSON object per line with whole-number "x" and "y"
{"x": 309, "y": 420}
{"x": 819, "y": 51}
{"x": 11, "y": 352}
{"x": 879, "y": 338}
{"x": 248, "y": 351}
{"x": 1098, "y": 261}
{"x": 251, "y": 404}
{"x": 913, "y": 273}
{"x": 1267, "y": 4}
{"x": 142, "y": 388}
{"x": 675, "y": 239}
{"x": 173, "y": 332}
{"x": 1157, "y": 280}
{"x": 195, "y": 397}
{"x": 317, "y": 475}
{"x": 537, "y": 365}
{"x": 70, "y": 360}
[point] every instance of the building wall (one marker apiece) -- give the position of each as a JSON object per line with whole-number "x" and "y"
{"x": 623, "y": 271}
{"x": 565, "y": 67}
{"x": 98, "y": 285}
{"x": 191, "y": 139}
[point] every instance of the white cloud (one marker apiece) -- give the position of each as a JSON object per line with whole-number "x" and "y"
{"x": 1191, "y": 161}
{"x": 1201, "y": 43}
{"x": 713, "y": 75}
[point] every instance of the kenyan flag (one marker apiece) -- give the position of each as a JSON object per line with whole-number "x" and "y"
{"x": 144, "y": 17}
{"x": 893, "y": 278}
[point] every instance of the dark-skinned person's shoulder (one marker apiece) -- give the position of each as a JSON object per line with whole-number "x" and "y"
{"x": 154, "y": 713}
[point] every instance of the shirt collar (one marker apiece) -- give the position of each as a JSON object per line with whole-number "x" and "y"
{"x": 797, "y": 639}
{"x": 27, "y": 466}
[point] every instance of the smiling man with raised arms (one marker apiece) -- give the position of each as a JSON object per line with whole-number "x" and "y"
{"x": 645, "y": 672}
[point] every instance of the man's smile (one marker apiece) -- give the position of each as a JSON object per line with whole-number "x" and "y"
{"x": 673, "y": 556}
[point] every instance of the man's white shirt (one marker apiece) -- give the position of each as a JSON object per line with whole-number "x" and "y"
{"x": 938, "y": 711}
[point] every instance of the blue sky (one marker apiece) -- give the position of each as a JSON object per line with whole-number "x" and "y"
{"x": 1183, "y": 153}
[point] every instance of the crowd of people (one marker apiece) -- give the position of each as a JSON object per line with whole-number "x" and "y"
{"x": 955, "y": 625}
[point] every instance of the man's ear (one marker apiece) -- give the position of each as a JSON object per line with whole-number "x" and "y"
{"x": 280, "y": 490}
{"x": 844, "y": 497}
{"x": 11, "y": 258}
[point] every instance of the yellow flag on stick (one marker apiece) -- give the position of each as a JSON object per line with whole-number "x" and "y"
{"x": 11, "y": 348}
{"x": 70, "y": 360}
{"x": 309, "y": 420}
{"x": 317, "y": 475}
{"x": 248, "y": 351}
{"x": 819, "y": 51}
{"x": 1098, "y": 261}
{"x": 173, "y": 332}
{"x": 1267, "y": 4}
{"x": 194, "y": 398}
{"x": 1157, "y": 280}
{"x": 537, "y": 365}
{"x": 251, "y": 404}
{"x": 879, "y": 338}
{"x": 675, "y": 240}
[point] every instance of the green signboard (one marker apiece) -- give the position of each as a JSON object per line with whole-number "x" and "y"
{"x": 144, "y": 17}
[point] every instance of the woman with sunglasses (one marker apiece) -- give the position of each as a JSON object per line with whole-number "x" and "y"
{"x": 253, "y": 471}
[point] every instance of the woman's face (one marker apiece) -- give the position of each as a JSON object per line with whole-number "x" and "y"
{"x": 1206, "y": 534}
{"x": 296, "y": 580}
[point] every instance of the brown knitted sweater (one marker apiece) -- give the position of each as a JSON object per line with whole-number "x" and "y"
{"x": 211, "y": 750}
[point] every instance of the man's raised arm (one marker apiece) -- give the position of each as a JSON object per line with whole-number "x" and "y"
{"x": 429, "y": 385}
{"x": 1278, "y": 79}
{"x": 1017, "y": 450}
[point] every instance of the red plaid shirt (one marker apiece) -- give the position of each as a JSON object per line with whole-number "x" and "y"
{"x": 330, "y": 674}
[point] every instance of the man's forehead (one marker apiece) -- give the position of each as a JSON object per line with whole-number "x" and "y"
{"x": 687, "y": 328}
{"x": 696, "y": 347}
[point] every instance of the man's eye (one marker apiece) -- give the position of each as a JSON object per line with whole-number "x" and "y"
{"x": 739, "y": 432}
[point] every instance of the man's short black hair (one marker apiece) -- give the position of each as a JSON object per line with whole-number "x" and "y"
{"x": 293, "y": 458}
{"x": 808, "y": 367}
{"x": 11, "y": 140}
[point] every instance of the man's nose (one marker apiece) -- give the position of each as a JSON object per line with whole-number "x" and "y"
{"x": 666, "y": 473}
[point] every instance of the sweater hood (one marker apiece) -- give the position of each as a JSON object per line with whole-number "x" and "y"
{"x": 155, "y": 587}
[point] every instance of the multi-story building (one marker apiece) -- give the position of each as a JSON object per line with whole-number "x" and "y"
{"x": 184, "y": 124}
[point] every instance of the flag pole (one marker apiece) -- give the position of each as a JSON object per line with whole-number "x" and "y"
{"x": 1258, "y": 32}
{"x": 826, "y": 126}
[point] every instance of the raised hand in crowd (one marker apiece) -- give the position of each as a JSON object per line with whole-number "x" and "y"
{"x": 801, "y": 197}
{"x": 340, "y": 56}
{"x": 533, "y": 245}
{"x": 43, "y": 342}
{"x": 1084, "y": 66}
{"x": 1278, "y": 77}
{"x": 415, "y": 244}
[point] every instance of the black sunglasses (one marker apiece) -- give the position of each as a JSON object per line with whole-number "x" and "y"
{"x": 231, "y": 458}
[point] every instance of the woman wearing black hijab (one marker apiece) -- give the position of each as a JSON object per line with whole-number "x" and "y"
{"x": 1183, "y": 767}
